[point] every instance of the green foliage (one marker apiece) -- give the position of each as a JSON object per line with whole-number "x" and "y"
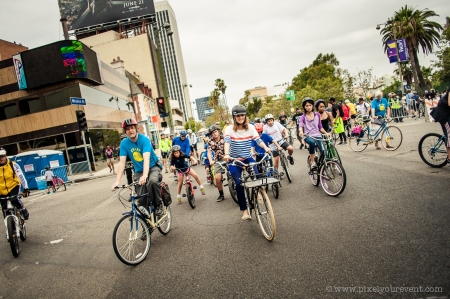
{"x": 392, "y": 88}
{"x": 193, "y": 125}
{"x": 441, "y": 78}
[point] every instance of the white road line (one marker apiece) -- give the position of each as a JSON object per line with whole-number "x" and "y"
{"x": 56, "y": 241}
{"x": 14, "y": 268}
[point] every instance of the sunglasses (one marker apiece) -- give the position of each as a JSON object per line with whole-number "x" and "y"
{"x": 2, "y": 156}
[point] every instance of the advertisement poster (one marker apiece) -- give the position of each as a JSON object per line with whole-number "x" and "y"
{"x": 85, "y": 13}
{"x": 28, "y": 168}
{"x": 54, "y": 164}
{"x": 20, "y": 73}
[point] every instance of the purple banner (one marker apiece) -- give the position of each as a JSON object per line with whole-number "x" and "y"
{"x": 392, "y": 51}
{"x": 402, "y": 50}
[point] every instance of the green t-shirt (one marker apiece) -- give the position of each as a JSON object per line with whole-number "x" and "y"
{"x": 164, "y": 145}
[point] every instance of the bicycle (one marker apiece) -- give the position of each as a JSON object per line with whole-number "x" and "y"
{"x": 230, "y": 181}
{"x": 284, "y": 161}
{"x": 58, "y": 183}
{"x": 267, "y": 167}
{"x": 14, "y": 224}
{"x": 432, "y": 150}
{"x": 131, "y": 235}
{"x": 256, "y": 197}
{"x": 291, "y": 140}
{"x": 391, "y": 142}
{"x": 190, "y": 194}
{"x": 329, "y": 169}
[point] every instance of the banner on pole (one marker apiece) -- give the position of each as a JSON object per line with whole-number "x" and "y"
{"x": 392, "y": 51}
{"x": 402, "y": 50}
{"x": 397, "y": 50}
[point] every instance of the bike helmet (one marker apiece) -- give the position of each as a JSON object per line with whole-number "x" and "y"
{"x": 263, "y": 120}
{"x": 129, "y": 122}
{"x": 259, "y": 127}
{"x": 238, "y": 110}
{"x": 257, "y": 120}
{"x": 189, "y": 131}
{"x": 316, "y": 104}
{"x": 183, "y": 133}
{"x": 307, "y": 100}
{"x": 213, "y": 128}
{"x": 2, "y": 151}
{"x": 269, "y": 116}
{"x": 176, "y": 148}
{"x": 123, "y": 136}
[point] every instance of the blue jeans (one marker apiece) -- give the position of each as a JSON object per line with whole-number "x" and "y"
{"x": 312, "y": 144}
{"x": 236, "y": 172}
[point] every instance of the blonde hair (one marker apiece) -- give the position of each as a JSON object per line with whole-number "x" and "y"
{"x": 378, "y": 93}
{"x": 244, "y": 124}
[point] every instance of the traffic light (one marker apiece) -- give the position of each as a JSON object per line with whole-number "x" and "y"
{"x": 81, "y": 120}
{"x": 161, "y": 105}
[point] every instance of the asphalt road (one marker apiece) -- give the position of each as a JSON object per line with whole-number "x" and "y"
{"x": 389, "y": 229}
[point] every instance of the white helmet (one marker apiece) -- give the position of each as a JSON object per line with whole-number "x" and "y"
{"x": 269, "y": 116}
{"x": 189, "y": 131}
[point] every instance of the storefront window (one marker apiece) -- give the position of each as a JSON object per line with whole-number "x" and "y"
{"x": 61, "y": 98}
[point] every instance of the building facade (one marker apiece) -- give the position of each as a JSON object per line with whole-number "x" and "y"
{"x": 172, "y": 59}
{"x": 203, "y": 108}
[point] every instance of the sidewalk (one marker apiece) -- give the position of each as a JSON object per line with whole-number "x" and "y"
{"x": 105, "y": 171}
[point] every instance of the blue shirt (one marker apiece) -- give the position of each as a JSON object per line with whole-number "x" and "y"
{"x": 380, "y": 106}
{"x": 184, "y": 144}
{"x": 267, "y": 139}
{"x": 136, "y": 150}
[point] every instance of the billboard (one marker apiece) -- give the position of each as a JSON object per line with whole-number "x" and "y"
{"x": 20, "y": 73}
{"x": 397, "y": 50}
{"x": 60, "y": 61}
{"x": 85, "y": 13}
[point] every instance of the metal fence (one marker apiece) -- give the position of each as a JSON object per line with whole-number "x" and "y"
{"x": 415, "y": 110}
{"x": 68, "y": 172}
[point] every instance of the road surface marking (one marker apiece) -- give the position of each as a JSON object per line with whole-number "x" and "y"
{"x": 56, "y": 241}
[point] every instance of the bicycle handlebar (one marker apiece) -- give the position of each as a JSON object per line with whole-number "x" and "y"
{"x": 234, "y": 160}
{"x": 126, "y": 186}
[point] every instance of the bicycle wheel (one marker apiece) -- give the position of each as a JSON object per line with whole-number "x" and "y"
{"x": 359, "y": 144}
{"x": 285, "y": 167}
{"x": 332, "y": 178}
{"x": 164, "y": 227}
{"x": 61, "y": 184}
{"x": 313, "y": 174}
{"x": 12, "y": 236}
{"x": 264, "y": 214}
{"x": 275, "y": 190}
{"x": 334, "y": 137}
{"x": 291, "y": 141}
{"x": 190, "y": 195}
{"x": 213, "y": 175}
{"x": 334, "y": 154}
{"x": 232, "y": 188}
{"x": 131, "y": 240}
{"x": 432, "y": 150}
{"x": 393, "y": 136}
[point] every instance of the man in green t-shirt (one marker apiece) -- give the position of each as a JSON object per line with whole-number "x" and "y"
{"x": 164, "y": 146}
{"x": 396, "y": 105}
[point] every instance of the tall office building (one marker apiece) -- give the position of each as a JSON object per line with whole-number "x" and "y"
{"x": 172, "y": 59}
{"x": 203, "y": 108}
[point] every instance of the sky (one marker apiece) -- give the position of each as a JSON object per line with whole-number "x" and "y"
{"x": 249, "y": 43}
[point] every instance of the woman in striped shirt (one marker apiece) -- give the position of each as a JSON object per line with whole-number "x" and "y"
{"x": 238, "y": 145}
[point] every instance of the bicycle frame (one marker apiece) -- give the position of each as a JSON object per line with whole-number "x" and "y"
{"x": 11, "y": 211}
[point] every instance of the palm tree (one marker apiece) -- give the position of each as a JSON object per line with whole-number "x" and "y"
{"x": 427, "y": 75}
{"x": 406, "y": 72}
{"x": 419, "y": 32}
{"x": 220, "y": 85}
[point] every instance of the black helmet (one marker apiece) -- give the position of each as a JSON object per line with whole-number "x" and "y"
{"x": 176, "y": 148}
{"x": 307, "y": 100}
{"x": 213, "y": 128}
{"x": 238, "y": 110}
{"x": 318, "y": 102}
{"x": 257, "y": 120}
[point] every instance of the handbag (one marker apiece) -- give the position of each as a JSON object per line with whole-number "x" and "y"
{"x": 165, "y": 194}
{"x": 339, "y": 125}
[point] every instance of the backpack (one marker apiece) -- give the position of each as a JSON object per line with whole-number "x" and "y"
{"x": 346, "y": 111}
{"x": 12, "y": 167}
{"x": 165, "y": 194}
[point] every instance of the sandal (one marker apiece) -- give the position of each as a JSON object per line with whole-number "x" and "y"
{"x": 246, "y": 217}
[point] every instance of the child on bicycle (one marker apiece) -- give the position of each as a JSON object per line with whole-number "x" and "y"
{"x": 258, "y": 151}
{"x": 49, "y": 179}
{"x": 178, "y": 163}
{"x": 311, "y": 125}
{"x": 206, "y": 161}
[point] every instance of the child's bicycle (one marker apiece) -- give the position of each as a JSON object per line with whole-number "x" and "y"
{"x": 131, "y": 236}
{"x": 58, "y": 183}
{"x": 190, "y": 194}
{"x": 226, "y": 176}
{"x": 329, "y": 171}
{"x": 14, "y": 224}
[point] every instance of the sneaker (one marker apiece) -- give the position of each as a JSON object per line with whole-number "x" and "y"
{"x": 25, "y": 214}
{"x": 301, "y": 146}
{"x": 203, "y": 191}
{"x": 389, "y": 146}
{"x": 345, "y": 142}
{"x": 166, "y": 170}
{"x": 313, "y": 165}
{"x": 179, "y": 200}
{"x": 48, "y": 192}
{"x": 340, "y": 143}
{"x": 159, "y": 210}
{"x": 110, "y": 170}
{"x": 220, "y": 198}
{"x": 291, "y": 159}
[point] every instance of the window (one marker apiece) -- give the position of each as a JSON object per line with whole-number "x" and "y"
{"x": 8, "y": 111}
{"x": 30, "y": 106}
{"x": 61, "y": 98}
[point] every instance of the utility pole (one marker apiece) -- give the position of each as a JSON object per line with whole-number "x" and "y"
{"x": 63, "y": 22}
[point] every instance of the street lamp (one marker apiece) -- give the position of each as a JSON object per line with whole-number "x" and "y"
{"x": 391, "y": 21}
{"x": 185, "y": 85}
{"x": 156, "y": 31}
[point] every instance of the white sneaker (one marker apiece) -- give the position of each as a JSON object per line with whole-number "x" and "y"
{"x": 313, "y": 165}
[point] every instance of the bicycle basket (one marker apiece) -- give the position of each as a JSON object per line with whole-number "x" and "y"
{"x": 260, "y": 180}
{"x": 165, "y": 194}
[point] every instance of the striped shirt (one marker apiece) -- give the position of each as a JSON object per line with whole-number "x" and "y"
{"x": 241, "y": 141}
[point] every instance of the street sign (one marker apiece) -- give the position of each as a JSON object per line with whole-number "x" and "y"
{"x": 163, "y": 115}
{"x": 77, "y": 101}
{"x": 290, "y": 95}
{"x": 152, "y": 127}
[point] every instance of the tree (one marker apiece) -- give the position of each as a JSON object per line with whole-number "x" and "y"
{"x": 419, "y": 32}
{"x": 441, "y": 77}
{"x": 366, "y": 81}
{"x": 193, "y": 125}
{"x": 427, "y": 75}
{"x": 407, "y": 74}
